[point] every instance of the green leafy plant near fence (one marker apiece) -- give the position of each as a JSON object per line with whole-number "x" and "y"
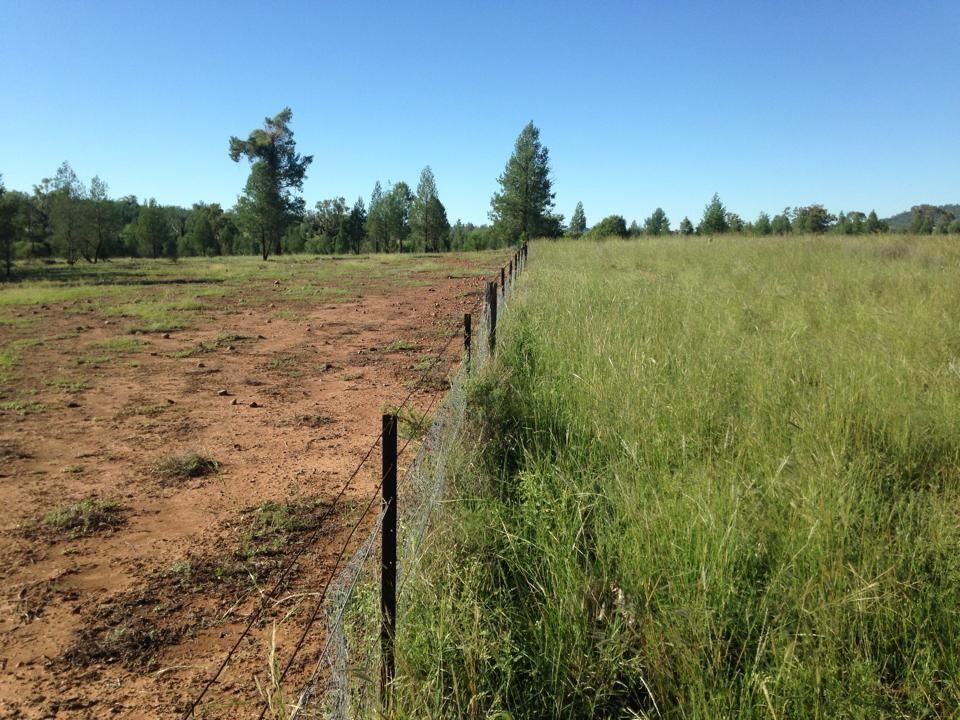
{"x": 718, "y": 480}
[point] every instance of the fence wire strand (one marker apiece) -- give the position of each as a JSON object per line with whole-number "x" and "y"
{"x": 346, "y": 665}
{"x": 343, "y": 683}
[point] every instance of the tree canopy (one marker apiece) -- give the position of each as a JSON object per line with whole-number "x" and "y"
{"x": 270, "y": 199}
{"x": 521, "y": 208}
{"x": 610, "y": 226}
{"x": 578, "y": 223}
{"x": 428, "y": 216}
{"x": 714, "y": 217}
{"x": 657, "y": 224}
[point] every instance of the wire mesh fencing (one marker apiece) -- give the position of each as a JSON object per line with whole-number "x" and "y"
{"x": 345, "y": 681}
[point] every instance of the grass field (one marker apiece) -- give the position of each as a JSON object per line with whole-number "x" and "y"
{"x": 721, "y": 480}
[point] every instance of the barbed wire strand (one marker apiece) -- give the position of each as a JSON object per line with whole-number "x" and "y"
{"x": 265, "y": 599}
{"x": 352, "y": 585}
{"x": 322, "y": 596}
{"x": 319, "y": 604}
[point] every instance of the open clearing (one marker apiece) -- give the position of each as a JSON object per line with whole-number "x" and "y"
{"x": 167, "y": 433}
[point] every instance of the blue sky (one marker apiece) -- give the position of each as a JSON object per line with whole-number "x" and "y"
{"x": 855, "y": 105}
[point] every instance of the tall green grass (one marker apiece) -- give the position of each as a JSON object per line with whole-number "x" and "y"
{"x": 716, "y": 480}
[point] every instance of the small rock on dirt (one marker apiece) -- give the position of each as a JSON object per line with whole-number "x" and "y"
{"x": 200, "y": 365}
{"x": 254, "y": 404}
{"x": 223, "y": 393}
{"x": 166, "y": 336}
{"x": 234, "y": 401}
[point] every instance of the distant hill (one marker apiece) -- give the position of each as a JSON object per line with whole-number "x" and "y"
{"x": 901, "y": 221}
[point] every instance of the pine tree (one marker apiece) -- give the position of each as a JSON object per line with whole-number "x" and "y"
{"x": 578, "y": 223}
{"x": 276, "y": 175}
{"x": 357, "y": 225}
{"x": 657, "y": 224}
{"x": 8, "y": 210}
{"x": 714, "y": 217}
{"x": 762, "y": 226}
{"x": 521, "y": 208}
{"x": 428, "y": 216}
{"x": 377, "y": 219}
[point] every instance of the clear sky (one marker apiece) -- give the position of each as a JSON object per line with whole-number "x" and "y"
{"x": 855, "y": 105}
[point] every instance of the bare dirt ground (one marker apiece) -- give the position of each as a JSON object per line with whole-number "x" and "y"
{"x": 129, "y": 615}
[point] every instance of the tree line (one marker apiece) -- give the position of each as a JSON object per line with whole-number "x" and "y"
{"x": 64, "y": 217}
{"x": 809, "y": 219}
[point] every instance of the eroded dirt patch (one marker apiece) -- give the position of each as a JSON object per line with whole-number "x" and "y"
{"x": 278, "y": 387}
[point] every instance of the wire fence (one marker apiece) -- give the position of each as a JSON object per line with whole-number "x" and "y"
{"x": 344, "y": 680}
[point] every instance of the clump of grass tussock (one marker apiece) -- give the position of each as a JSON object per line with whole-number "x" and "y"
{"x": 222, "y": 341}
{"x": 22, "y": 408}
{"x": 121, "y": 344}
{"x": 185, "y": 466}
{"x": 85, "y": 517}
{"x": 66, "y": 384}
{"x": 267, "y": 529}
{"x": 721, "y": 480}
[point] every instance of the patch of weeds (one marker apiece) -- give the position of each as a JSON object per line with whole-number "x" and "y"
{"x": 317, "y": 292}
{"x": 73, "y": 469}
{"x": 158, "y": 326}
{"x": 22, "y": 408}
{"x": 61, "y": 382}
{"x": 94, "y": 360}
{"x": 8, "y": 358}
{"x": 464, "y": 273}
{"x": 185, "y": 466}
{"x": 121, "y": 344}
{"x": 352, "y": 376}
{"x": 426, "y": 363}
{"x": 222, "y": 341}
{"x": 16, "y": 322}
{"x": 132, "y": 626}
{"x": 131, "y": 643}
{"x": 284, "y": 363}
{"x": 313, "y": 420}
{"x": 399, "y": 346}
{"x": 181, "y": 571}
{"x": 85, "y": 518}
{"x": 267, "y": 529}
{"x": 411, "y": 423}
{"x": 470, "y": 293}
{"x": 146, "y": 409}
{"x": 287, "y": 315}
